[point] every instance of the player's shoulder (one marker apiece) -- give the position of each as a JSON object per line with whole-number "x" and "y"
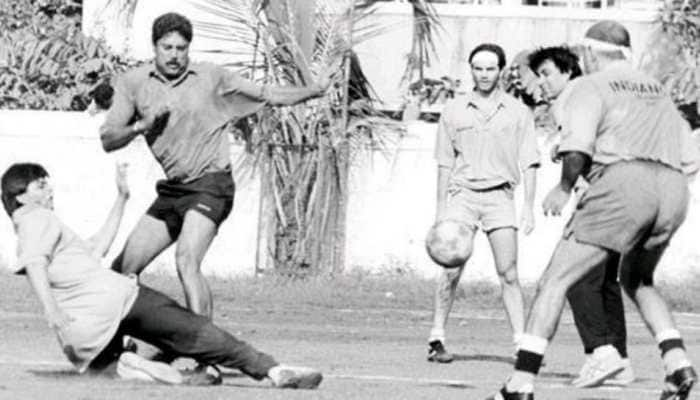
{"x": 458, "y": 102}
{"x": 514, "y": 105}
{"x": 33, "y": 214}
{"x": 206, "y": 67}
{"x": 135, "y": 77}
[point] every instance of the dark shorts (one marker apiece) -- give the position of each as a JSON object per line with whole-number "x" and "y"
{"x": 631, "y": 204}
{"x": 211, "y": 195}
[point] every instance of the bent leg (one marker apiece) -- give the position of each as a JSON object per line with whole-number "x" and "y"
{"x": 587, "y": 307}
{"x": 570, "y": 262}
{"x": 445, "y": 288}
{"x": 504, "y": 245}
{"x": 159, "y": 320}
{"x": 196, "y": 236}
{"x": 614, "y": 307}
{"x": 146, "y": 241}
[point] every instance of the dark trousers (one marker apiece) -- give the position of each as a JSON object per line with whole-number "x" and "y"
{"x": 596, "y": 304}
{"x": 159, "y": 320}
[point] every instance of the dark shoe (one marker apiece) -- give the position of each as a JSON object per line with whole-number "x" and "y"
{"x": 437, "y": 353}
{"x": 679, "y": 383}
{"x": 504, "y": 394}
{"x": 202, "y": 375}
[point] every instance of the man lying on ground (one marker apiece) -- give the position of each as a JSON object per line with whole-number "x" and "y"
{"x": 92, "y": 308}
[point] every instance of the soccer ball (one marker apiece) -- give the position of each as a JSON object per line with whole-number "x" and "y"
{"x": 448, "y": 243}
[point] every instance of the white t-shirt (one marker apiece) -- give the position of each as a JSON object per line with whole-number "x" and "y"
{"x": 95, "y": 297}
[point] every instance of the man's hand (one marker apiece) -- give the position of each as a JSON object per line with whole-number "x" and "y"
{"x": 155, "y": 119}
{"x": 58, "y": 319}
{"x": 555, "y": 201}
{"x": 527, "y": 220}
{"x": 121, "y": 180}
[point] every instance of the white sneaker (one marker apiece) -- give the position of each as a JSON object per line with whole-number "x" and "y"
{"x": 133, "y": 366}
{"x": 624, "y": 377}
{"x": 587, "y": 364}
{"x": 286, "y": 376}
{"x": 605, "y": 362}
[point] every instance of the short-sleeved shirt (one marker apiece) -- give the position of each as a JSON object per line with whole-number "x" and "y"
{"x": 96, "y": 297}
{"x": 486, "y": 148}
{"x": 201, "y": 102}
{"x": 636, "y": 120}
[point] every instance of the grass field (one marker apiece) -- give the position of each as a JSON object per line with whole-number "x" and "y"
{"x": 366, "y": 333}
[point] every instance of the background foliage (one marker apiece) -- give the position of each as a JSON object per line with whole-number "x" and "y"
{"x": 46, "y": 62}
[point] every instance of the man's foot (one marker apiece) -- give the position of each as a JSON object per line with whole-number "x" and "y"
{"x": 289, "y": 377}
{"x": 679, "y": 383}
{"x": 133, "y": 366}
{"x": 504, "y": 394}
{"x": 203, "y": 375}
{"x": 624, "y": 377}
{"x": 602, "y": 365}
{"x": 437, "y": 353}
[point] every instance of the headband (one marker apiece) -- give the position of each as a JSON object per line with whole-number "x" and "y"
{"x": 607, "y": 46}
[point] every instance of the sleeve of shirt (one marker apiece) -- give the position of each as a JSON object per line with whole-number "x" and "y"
{"x": 529, "y": 149}
{"x": 123, "y": 108}
{"x": 690, "y": 154}
{"x": 38, "y": 233}
{"x": 242, "y": 96}
{"x": 444, "y": 150}
{"x": 582, "y": 113}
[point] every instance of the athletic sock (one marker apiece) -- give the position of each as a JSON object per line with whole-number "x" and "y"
{"x": 437, "y": 334}
{"x": 528, "y": 363}
{"x": 672, "y": 350}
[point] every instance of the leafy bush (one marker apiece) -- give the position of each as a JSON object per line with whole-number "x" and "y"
{"x": 45, "y": 60}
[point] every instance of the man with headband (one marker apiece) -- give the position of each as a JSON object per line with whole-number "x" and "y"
{"x": 622, "y": 131}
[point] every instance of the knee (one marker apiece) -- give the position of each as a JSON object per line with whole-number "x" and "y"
{"x": 508, "y": 274}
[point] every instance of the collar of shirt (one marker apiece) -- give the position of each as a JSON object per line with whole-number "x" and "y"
{"x": 154, "y": 73}
{"x": 476, "y": 101}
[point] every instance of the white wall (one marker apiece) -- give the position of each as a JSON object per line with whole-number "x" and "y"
{"x": 391, "y": 201}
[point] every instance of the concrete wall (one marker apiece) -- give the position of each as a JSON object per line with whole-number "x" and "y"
{"x": 391, "y": 204}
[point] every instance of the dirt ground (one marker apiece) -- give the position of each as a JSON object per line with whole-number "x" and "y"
{"x": 365, "y": 353}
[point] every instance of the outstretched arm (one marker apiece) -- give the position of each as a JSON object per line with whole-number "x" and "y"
{"x": 274, "y": 95}
{"x": 102, "y": 240}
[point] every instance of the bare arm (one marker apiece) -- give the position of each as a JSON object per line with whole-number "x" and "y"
{"x": 529, "y": 187}
{"x": 115, "y": 137}
{"x": 575, "y": 164}
{"x": 442, "y": 180}
{"x": 102, "y": 240}
{"x": 38, "y": 279}
{"x": 287, "y": 96}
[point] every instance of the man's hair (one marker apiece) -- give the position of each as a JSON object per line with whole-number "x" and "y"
{"x": 493, "y": 48}
{"x": 610, "y": 32}
{"x": 171, "y": 22}
{"x": 562, "y": 57}
{"x": 15, "y": 180}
